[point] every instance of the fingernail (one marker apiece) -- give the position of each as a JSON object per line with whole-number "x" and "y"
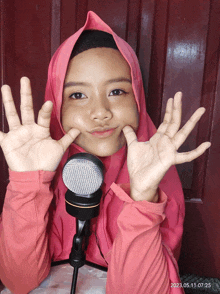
{"x": 180, "y": 95}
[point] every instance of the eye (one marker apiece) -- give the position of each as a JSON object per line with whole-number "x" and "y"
{"x": 77, "y": 95}
{"x": 117, "y": 92}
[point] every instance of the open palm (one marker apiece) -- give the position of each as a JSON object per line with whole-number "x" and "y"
{"x": 149, "y": 161}
{"x": 29, "y": 146}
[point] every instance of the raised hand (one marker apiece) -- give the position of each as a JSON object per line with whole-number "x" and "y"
{"x": 29, "y": 146}
{"x": 149, "y": 161}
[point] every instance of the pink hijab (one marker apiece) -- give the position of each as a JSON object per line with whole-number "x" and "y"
{"x": 115, "y": 165}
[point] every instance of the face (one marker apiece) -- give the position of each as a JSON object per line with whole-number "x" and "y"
{"x": 98, "y": 100}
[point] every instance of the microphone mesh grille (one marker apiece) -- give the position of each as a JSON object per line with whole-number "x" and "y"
{"x": 82, "y": 176}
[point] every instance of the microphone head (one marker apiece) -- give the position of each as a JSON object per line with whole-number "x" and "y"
{"x": 83, "y": 173}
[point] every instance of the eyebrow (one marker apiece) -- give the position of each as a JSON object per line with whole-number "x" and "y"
{"x": 117, "y": 80}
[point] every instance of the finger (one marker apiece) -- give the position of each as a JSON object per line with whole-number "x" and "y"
{"x": 68, "y": 138}
{"x": 10, "y": 109}
{"x": 181, "y": 136}
{"x": 27, "y": 111}
{"x": 175, "y": 122}
{"x": 191, "y": 155}
{"x": 44, "y": 115}
{"x": 130, "y": 135}
{"x": 167, "y": 117}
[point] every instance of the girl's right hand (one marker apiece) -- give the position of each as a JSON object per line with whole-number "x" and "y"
{"x": 29, "y": 146}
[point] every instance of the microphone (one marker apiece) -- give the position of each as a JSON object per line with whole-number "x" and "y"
{"x": 83, "y": 176}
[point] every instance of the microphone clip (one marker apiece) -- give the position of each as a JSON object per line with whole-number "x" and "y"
{"x": 77, "y": 256}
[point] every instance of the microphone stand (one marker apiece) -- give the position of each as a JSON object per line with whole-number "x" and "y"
{"x": 77, "y": 256}
{"x": 82, "y": 203}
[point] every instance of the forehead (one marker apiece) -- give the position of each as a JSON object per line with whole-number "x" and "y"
{"x": 103, "y": 60}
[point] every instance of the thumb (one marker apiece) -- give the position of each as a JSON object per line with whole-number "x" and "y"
{"x": 67, "y": 139}
{"x": 130, "y": 135}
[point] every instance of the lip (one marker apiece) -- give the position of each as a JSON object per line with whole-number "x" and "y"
{"x": 103, "y": 134}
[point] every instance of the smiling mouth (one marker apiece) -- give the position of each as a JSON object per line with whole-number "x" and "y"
{"x": 103, "y": 134}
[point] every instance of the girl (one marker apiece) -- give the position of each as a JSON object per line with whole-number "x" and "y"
{"x": 95, "y": 103}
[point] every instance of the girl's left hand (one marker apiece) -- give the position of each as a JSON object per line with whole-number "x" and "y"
{"x": 149, "y": 161}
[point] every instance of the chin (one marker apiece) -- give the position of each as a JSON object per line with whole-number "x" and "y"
{"x": 102, "y": 148}
{"x": 103, "y": 153}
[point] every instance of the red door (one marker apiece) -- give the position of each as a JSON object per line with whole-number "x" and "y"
{"x": 178, "y": 44}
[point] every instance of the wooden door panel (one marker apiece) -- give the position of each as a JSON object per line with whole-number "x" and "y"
{"x": 25, "y": 51}
{"x": 25, "y": 48}
{"x": 185, "y": 58}
{"x": 7, "y": 18}
{"x": 145, "y": 41}
{"x": 68, "y": 16}
{"x": 114, "y": 13}
{"x": 201, "y": 240}
{"x": 154, "y": 85}
{"x": 200, "y": 251}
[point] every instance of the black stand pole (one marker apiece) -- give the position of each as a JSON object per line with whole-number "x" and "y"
{"x": 80, "y": 242}
{"x": 73, "y": 287}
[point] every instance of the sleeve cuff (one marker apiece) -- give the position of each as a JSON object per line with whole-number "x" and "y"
{"x": 31, "y": 176}
{"x": 122, "y": 192}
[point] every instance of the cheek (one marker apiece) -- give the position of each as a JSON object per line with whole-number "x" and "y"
{"x": 129, "y": 115}
{"x": 135, "y": 117}
{"x": 72, "y": 118}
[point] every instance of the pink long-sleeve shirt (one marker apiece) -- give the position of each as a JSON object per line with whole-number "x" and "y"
{"x": 139, "y": 258}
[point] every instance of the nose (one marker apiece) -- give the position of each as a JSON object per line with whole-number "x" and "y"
{"x": 101, "y": 111}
